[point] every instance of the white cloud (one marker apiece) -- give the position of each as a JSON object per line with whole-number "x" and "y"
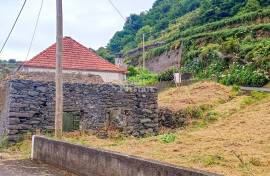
{"x": 91, "y": 22}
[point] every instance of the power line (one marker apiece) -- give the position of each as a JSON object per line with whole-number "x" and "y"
{"x": 35, "y": 29}
{"x": 13, "y": 27}
{"x": 117, "y": 10}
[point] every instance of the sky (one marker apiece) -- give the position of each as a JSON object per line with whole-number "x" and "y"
{"x": 90, "y": 22}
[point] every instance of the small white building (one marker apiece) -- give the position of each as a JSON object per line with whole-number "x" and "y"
{"x": 76, "y": 58}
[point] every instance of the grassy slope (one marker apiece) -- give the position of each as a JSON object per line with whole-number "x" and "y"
{"x": 237, "y": 144}
{"x": 204, "y": 93}
{"x": 250, "y": 29}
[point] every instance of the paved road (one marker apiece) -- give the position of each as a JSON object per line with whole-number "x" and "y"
{"x": 256, "y": 89}
{"x": 28, "y": 168}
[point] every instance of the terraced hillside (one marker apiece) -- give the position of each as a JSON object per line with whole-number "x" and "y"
{"x": 225, "y": 40}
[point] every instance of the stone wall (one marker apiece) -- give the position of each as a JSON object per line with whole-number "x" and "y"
{"x": 164, "y": 62}
{"x": 100, "y": 107}
{"x": 173, "y": 119}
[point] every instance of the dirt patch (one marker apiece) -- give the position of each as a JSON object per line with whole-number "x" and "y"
{"x": 201, "y": 93}
{"x": 267, "y": 85}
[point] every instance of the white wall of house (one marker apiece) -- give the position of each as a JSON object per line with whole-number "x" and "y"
{"x": 106, "y": 76}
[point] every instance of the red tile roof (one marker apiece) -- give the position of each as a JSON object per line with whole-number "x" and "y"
{"x": 75, "y": 57}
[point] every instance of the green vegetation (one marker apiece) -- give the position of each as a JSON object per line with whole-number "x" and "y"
{"x": 141, "y": 77}
{"x": 7, "y": 67}
{"x": 167, "y": 138}
{"x": 209, "y": 160}
{"x": 221, "y": 39}
{"x": 106, "y": 54}
{"x": 167, "y": 75}
{"x": 3, "y": 143}
{"x": 245, "y": 75}
{"x": 254, "y": 97}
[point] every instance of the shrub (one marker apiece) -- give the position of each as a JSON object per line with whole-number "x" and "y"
{"x": 245, "y": 75}
{"x": 167, "y": 75}
{"x": 143, "y": 78}
{"x": 132, "y": 71}
{"x": 232, "y": 45}
{"x": 214, "y": 70}
{"x": 168, "y": 138}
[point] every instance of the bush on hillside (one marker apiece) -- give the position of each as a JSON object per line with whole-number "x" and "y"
{"x": 132, "y": 71}
{"x": 213, "y": 71}
{"x": 245, "y": 75}
{"x": 168, "y": 74}
{"x": 143, "y": 78}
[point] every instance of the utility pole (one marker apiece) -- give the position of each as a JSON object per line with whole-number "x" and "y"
{"x": 143, "y": 50}
{"x": 59, "y": 70}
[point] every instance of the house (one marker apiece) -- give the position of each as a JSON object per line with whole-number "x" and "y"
{"x": 77, "y": 59}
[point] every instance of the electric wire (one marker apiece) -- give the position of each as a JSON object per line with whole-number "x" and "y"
{"x": 20, "y": 12}
{"x": 35, "y": 29}
{"x": 117, "y": 10}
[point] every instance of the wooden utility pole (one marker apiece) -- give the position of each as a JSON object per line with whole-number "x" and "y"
{"x": 59, "y": 70}
{"x": 143, "y": 51}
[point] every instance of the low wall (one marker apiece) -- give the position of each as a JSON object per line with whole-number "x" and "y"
{"x": 92, "y": 162}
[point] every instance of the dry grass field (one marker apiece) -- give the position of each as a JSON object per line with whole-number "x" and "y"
{"x": 201, "y": 93}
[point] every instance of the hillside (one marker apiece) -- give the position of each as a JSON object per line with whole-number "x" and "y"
{"x": 234, "y": 141}
{"x": 198, "y": 94}
{"x": 220, "y": 39}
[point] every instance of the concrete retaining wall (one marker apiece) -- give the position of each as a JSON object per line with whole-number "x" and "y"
{"x": 92, "y": 162}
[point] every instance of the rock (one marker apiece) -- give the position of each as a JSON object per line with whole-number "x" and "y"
{"x": 14, "y": 121}
{"x": 145, "y": 120}
{"x": 42, "y": 89}
{"x": 12, "y": 132}
{"x": 14, "y": 138}
{"x": 102, "y": 135}
{"x": 33, "y": 93}
{"x": 150, "y": 125}
{"x": 20, "y": 114}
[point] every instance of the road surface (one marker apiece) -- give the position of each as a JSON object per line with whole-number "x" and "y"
{"x": 28, "y": 168}
{"x": 260, "y": 89}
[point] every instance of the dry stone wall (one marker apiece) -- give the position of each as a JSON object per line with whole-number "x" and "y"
{"x": 129, "y": 109}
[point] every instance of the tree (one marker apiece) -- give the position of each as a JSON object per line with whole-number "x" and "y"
{"x": 251, "y": 5}
{"x": 105, "y": 53}
{"x": 12, "y": 61}
{"x": 144, "y": 30}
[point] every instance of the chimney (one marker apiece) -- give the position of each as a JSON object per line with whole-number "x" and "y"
{"x": 119, "y": 61}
